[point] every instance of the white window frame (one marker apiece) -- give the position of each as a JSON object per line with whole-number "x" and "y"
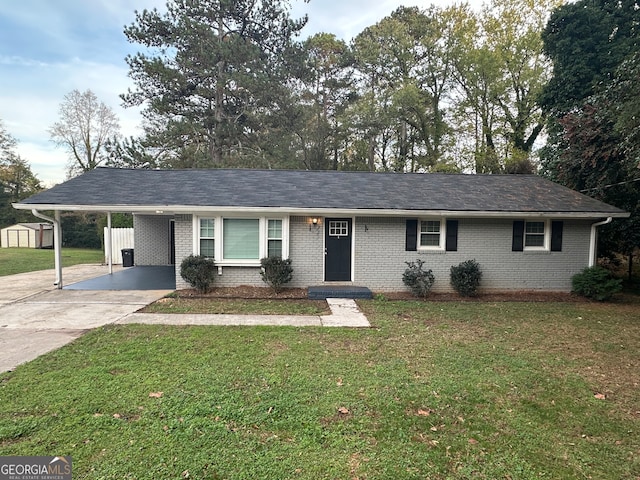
{"x": 546, "y": 246}
{"x": 218, "y": 238}
{"x": 443, "y": 235}
{"x": 338, "y": 228}
{"x": 268, "y": 238}
{"x": 200, "y": 237}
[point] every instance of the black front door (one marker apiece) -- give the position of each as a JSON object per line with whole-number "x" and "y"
{"x": 337, "y": 241}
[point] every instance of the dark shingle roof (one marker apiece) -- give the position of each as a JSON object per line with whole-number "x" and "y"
{"x": 299, "y": 189}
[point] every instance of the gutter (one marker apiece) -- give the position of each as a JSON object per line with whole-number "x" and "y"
{"x": 593, "y": 253}
{"x": 323, "y": 211}
{"x": 57, "y": 244}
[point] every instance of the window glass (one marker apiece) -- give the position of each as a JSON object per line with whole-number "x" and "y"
{"x": 241, "y": 238}
{"x": 338, "y": 228}
{"x": 274, "y": 238}
{"x": 534, "y": 234}
{"x": 207, "y": 247}
{"x": 430, "y": 233}
{"x": 207, "y": 242}
{"x": 206, "y": 227}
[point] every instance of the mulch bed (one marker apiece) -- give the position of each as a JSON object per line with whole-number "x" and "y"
{"x": 249, "y": 292}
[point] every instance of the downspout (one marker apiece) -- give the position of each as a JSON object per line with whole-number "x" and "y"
{"x": 57, "y": 243}
{"x": 593, "y": 253}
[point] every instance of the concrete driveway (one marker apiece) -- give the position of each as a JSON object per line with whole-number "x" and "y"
{"x": 36, "y": 318}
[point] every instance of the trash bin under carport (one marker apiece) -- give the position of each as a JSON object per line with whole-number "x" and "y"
{"x": 127, "y": 257}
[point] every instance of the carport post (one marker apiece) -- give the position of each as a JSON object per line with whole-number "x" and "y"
{"x": 57, "y": 246}
{"x": 108, "y": 243}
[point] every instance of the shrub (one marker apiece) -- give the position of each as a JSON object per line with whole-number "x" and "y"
{"x": 276, "y": 271}
{"x": 596, "y": 283}
{"x": 417, "y": 279}
{"x": 199, "y": 271}
{"x": 465, "y": 277}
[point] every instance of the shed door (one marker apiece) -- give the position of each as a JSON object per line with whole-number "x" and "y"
{"x": 337, "y": 259}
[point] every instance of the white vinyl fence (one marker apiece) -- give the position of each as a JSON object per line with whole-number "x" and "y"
{"x": 120, "y": 238}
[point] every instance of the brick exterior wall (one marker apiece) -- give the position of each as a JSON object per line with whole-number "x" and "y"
{"x": 306, "y": 250}
{"x": 152, "y": 239}
{"x": 184, "y": 245}
{"x": 379, "y": 255}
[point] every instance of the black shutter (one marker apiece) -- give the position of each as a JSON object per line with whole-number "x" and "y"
{"x": 452, "y": 236}
{"x": 556, "y": 236}
{"x": 412, "y": 236}
{"x": 517, "y": 244}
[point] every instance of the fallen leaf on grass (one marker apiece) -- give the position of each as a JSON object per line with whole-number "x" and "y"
{"x": 155, "y": 394}
{"x": 424, "y": 413}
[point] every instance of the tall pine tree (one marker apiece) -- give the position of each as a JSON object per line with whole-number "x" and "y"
{"x": 212, "y": 77}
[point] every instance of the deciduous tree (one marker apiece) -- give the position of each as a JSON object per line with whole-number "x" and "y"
{"x": 84, "y": 127}
{"x": 593, "y": 104}
{"x": 17, "y": 181}
{"x": 501, "y": 71}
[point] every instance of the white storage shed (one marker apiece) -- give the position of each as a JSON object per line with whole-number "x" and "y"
{"x": 27, "y": 235}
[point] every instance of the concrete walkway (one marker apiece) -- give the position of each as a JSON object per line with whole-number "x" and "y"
{"x": 36, "y": 317}
{"x": 344, "y": 313}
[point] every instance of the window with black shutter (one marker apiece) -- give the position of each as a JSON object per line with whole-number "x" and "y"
{"x": 556, "y": 236}
{"x": 517, "y": 242}
{"x": 411, "y": 244}
{"x": 451, "y": 244}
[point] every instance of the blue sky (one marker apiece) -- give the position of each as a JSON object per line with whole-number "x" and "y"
{"x": 50, "y": 47}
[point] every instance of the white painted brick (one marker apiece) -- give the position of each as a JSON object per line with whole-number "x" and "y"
{"x": 151, "y": 239}
{"x": 380, "y": 256}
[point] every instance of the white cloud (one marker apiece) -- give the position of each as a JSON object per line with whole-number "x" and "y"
{"x": 29, "y": 112}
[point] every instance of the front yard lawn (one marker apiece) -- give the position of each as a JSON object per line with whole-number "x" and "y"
{"x": 436, "y": 390}
{"x": 21, "y": 260}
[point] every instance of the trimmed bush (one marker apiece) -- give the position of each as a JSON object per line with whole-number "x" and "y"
{"x": 276, "y": 272}
{"x": 199, "y": 271}
{"x": 465, "y": 278}
{"x": 417, "y": 279}
{"x": 596, "y": 283}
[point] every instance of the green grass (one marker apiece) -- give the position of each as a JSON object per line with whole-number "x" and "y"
{"x": 463, "y": 390}
{"x": 172, "y": 304}
{"x": 21, "y": 260}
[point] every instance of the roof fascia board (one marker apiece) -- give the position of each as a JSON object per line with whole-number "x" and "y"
{"x": 199, "y": 209}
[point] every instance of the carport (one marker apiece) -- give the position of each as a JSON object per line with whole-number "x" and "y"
{"x": 57, "y": 236}
{"x": 152, "y": 275}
